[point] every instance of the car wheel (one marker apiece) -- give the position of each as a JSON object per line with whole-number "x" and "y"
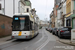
{"x": 57, "y": 34}
{"x": 53, "y": 33}
{"x": 60, "y": 36}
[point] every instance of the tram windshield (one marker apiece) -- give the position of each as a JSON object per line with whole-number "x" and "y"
{"x": 20, "y": 23}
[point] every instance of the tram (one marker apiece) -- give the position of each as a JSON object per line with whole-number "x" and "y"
{"x": 24, "y": 26}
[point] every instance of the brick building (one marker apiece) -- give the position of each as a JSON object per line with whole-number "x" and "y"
{"x": 5, "y": 25}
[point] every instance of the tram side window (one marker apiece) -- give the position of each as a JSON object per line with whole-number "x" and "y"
{"x": 27, "y": 25}
{"x": 36, "y": 27}
{"x": 31, "y": 25}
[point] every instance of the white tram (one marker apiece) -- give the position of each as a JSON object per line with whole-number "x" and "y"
{"x": 24, "y": 26}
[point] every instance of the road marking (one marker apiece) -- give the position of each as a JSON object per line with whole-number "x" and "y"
{"x": 44, "y": 44}
{"x": 40, "y": 39}
{"x": 37, "y": 41}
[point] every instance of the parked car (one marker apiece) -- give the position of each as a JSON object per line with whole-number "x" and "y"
{"x": 53, "y": 31}
{"x": 50, "y": 29}
{"x": 56, "y": 31}
{"x": 47, "y": 29}
{"x": 64, "y": 32}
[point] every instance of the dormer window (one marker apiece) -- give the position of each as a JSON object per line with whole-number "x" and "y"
{"x": 27, "y": 9}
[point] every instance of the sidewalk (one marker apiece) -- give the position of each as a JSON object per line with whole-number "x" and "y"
{"x": 5, "y": 40}
{"x": 67, "y": 41}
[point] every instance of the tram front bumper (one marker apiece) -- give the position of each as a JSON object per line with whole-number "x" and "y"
{"x": 21, "y": 37}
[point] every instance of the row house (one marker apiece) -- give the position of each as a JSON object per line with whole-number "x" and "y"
{"x": 56, "y": 2}
{"x": 61, "y": 11}
{"x": 52, "y": 19}
{"x": 73, "y": 14}
{"x": 64, "y": 14}
{"x": 59, "y": 23}
{"x": 10, "y": 7}
{"x": 68, "y": 13}
{"x": 54, "y": 16}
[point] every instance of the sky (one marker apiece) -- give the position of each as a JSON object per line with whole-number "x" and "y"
{"x": 43, "y": 8}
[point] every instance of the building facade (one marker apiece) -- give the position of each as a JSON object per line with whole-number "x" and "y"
{"x": 10, "y": 7}
{"x": 64, "y": 13}
{"x": 28, "y": 6}
{"x": 56, "y": 5}
{"x": 52, "y": 19}
{"x": 5, "y": 25}
{"x": 73, "y": 14}
{"x": 68, "y": 13}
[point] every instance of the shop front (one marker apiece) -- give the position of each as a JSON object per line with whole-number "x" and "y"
{"x": 73, "y": 20}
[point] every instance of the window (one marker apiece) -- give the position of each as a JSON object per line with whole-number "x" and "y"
{"x": 27, "y": 9}
{"x": 64, "y": 29}
{"x": 0, "y": 6}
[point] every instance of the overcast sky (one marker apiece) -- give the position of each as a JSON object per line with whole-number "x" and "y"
{"x": 43, "y": 8}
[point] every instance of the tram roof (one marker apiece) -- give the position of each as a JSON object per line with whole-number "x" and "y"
{"x": 30, "y": 16}
{"x": 22, "y": 14}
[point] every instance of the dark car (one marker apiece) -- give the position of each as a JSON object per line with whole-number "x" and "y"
{"x": 64, "y": 32}
{"x": 50, "y": 29}
{"x": 56, "y": 31}
{"x": 53, "y": 30}
{"x": 47, "y": 29}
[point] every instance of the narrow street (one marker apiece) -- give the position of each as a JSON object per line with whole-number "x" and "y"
{"x": 44, "y": 41}
{"x": 37, "y": 24}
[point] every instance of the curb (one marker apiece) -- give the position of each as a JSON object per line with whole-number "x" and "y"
{"x": 72, "y": 44}
{"x": 6, "y": 42}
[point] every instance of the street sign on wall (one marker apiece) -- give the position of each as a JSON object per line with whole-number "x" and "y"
{"x": 73, "y": 35}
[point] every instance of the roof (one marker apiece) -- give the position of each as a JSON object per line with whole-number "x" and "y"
{"x": 27, "y": 3}
{"x": 22, "y": 14}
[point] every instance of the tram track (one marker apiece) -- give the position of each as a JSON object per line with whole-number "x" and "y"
{"x": 23, "y": 45}
{"x": 41, "y": 46}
